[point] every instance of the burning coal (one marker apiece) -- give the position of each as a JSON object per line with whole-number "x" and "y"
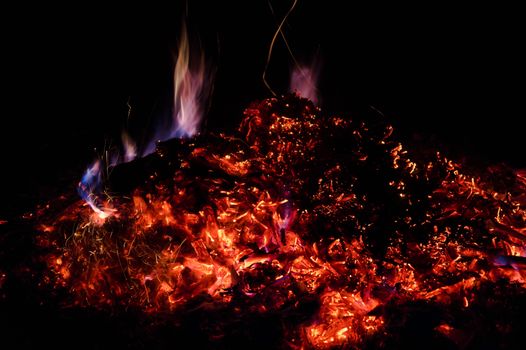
{"x": 328, "y": 222}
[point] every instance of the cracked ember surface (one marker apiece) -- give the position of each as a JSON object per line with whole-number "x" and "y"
{"x": 325, "y": 226}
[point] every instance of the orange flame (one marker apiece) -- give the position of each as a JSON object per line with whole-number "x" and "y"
{"x": 191, "y": 81}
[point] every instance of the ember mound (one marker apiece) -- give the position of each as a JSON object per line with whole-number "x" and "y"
{"x": 301, "y": 230}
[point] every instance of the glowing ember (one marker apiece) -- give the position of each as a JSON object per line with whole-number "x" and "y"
{"x": 323, "y": 220}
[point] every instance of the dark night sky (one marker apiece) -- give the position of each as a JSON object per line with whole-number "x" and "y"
{"x": 456, "y": 73}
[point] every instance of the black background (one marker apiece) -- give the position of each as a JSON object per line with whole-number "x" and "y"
{"x": 454, "y": 76}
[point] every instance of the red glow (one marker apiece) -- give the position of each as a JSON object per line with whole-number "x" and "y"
{"x": 287, "y": 214}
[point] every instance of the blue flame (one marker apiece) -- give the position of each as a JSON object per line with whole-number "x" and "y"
{"x": 89, "y": 186}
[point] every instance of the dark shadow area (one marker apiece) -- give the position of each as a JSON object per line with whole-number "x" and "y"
{"x": 445, "y": 76}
